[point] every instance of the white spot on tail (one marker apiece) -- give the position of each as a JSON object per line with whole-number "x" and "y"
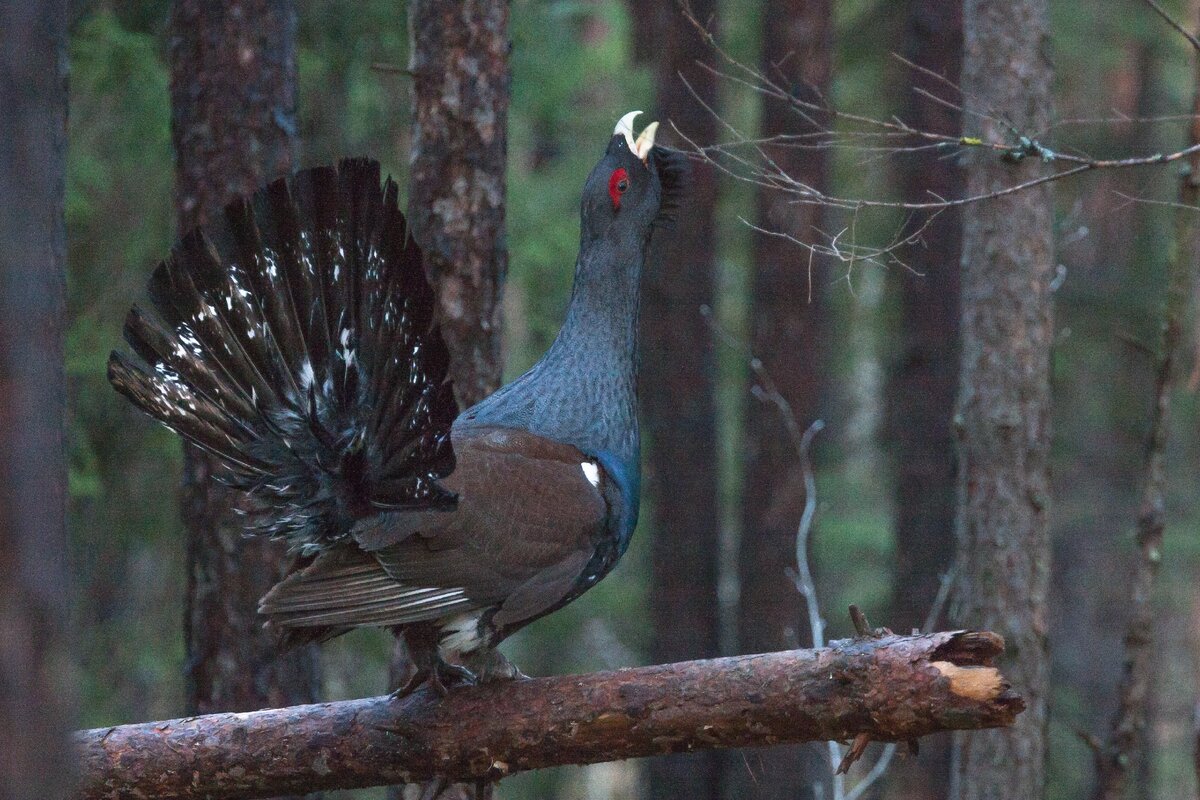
{"x": 591, "y": 472}
{"x": 460, "y": 633}
{"x": 307, "y": 377}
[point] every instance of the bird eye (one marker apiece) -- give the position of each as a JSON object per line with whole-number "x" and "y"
{"x": 618, "y": 183}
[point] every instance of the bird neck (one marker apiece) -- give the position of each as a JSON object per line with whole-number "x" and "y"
{"x": 588, "y": 377}
{"x": 584, "y": 390}
{"x": 600, "y": 333}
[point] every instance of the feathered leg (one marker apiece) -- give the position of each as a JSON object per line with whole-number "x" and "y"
{"x": 421, "y": 639}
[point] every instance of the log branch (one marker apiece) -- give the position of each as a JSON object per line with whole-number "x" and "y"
{"x": 891, "y": 688}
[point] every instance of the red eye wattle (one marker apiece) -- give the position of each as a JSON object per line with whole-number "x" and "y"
{"x": 618, "y": 182}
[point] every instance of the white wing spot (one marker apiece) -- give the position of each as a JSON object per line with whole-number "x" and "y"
{"x": 591, "y": 472}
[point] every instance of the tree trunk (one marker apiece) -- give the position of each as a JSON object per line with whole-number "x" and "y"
{"x": 1004, "y": 392}
{"x": 678, "y": 398}
{"x": 891, "y": 688}
{"x": 456, "y": 198}
{"x": 925, "y": 376}
{"x": 1126, "y": 751}
{"x": 36, "y": 762}
{"x": 789, "y": 332}
{"x": 233, "y": 101}
{"x": 461, "y": 79}
{"x": 1106, "y": 302}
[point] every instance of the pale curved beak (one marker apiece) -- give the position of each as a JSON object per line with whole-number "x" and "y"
{"x": 645, "y": 140}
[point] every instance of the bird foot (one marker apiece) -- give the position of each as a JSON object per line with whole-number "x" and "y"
{"x": 442, "y": 676}
{"x": 445, "y": 676}
{"x": 492, "y": 665}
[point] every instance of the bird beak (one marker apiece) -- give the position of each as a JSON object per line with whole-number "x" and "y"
{"x": 644, "y": 142}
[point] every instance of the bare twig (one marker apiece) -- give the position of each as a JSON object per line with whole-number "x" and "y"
{"x": 746, "y": 159}
{"x": 767, "y": 391}
{"x": 1174, "y": 23}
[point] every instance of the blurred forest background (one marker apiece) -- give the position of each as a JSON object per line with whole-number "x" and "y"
{"x": 577, "y": 65}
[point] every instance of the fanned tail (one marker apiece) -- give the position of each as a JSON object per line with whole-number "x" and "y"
{"x": 294, "y": 340}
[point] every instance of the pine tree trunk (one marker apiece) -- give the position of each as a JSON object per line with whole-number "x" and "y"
{"x": 789, "y": 333}
{"x": 1099, "y": 482}
{"x": 456, "y": 198}
{"x": 924, "y": 378}
{"x": 456, "y": 206}
{"x": 1004, "y": 392}
{"x": 35, "y": 695}
{"x": 678, "y": 399}
{"x": 233, "y": 117}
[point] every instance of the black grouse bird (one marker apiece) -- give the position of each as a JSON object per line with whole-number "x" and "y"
{"x": 295, "y": 341}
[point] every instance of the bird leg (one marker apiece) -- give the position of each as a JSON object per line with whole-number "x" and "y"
{"x": 421, "y": 642}
{"x": 445, "y": 676}
{"x": 492, "y": 665}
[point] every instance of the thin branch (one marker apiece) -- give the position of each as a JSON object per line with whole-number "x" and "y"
{"x": 865, "y": 129}
{"x": 1174, "y": 23}
{"x": 892, "y": 688}
{"x": 767, "y": 391}
{"x": 804, "y": 579}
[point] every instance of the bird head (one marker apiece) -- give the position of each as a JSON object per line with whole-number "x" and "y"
{"x": 633, "y": 187}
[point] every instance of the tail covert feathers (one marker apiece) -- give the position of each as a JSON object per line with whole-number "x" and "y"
{"x": 294, "y": 341}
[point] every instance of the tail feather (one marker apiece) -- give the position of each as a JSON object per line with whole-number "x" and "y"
{"x": 295, "y": 341}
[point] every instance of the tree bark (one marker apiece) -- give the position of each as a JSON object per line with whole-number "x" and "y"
{"x": 789, "y": 332}
{"x": 893, "y": 688}
{"x": 233, "y": 101}
{"x": 461, "y": 89}
{"x": 456, "y": 200}
{"x": 924, "y": 377}
{"x": 1004, "y": 391}
{"x": 35, "y": 690}
{"x": 678, "y": 389}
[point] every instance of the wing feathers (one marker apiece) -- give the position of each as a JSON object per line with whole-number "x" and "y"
{"x": 351, "y": 589}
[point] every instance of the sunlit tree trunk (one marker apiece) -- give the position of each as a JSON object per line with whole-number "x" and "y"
{"x": 1004, "y": 392}
{"x": 678, "y": 380}
{"x": 233, "y": 116}
{"x": 789, "y": 331}
{"x": 35, "y": 681}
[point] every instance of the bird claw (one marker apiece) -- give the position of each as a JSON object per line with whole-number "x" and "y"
{"x": 492, "y": 666}
{"x": 445, "y": 676}
{"x": 410, "y": 686}
{"x": 441, "y": 677}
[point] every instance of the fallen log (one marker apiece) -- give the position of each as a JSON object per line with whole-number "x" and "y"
{"x": 890, "y": 688}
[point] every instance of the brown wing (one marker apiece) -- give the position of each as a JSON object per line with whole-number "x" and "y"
{"x": 523, "y": 530}
{"x": 526, "y": 514}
